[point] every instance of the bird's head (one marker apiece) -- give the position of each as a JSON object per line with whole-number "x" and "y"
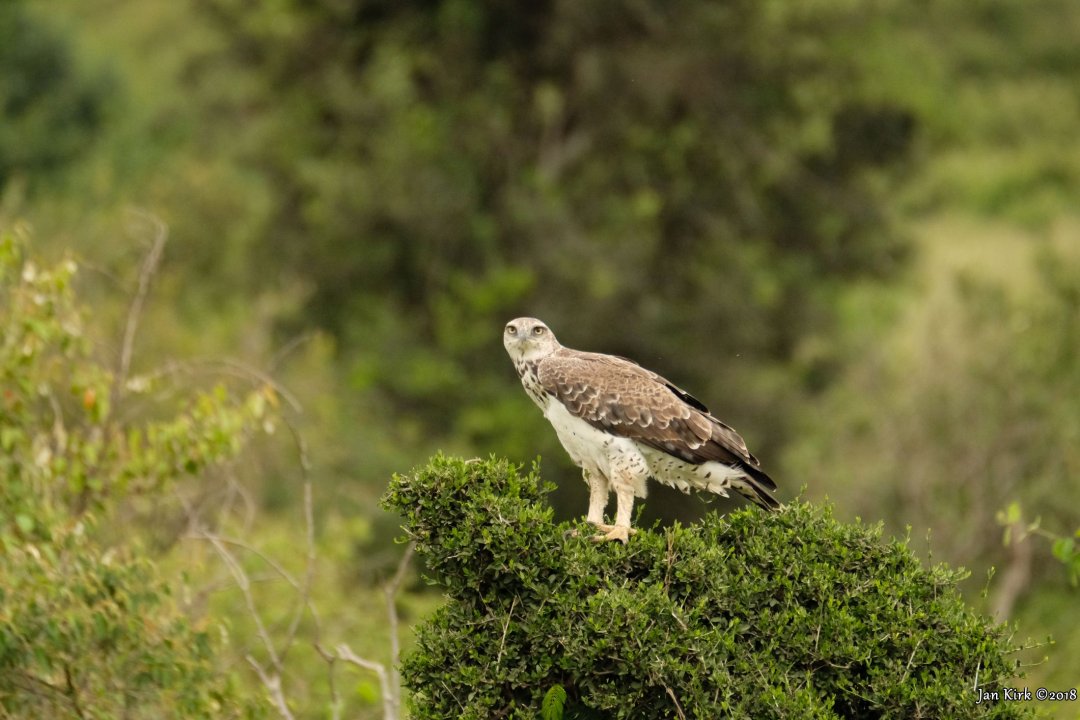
{"x": 528, "y": 339}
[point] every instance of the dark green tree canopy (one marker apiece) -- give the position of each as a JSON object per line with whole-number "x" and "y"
{"x": 749, "y": 615}
{"x": 50, "y": 109}
{"x": 439, "y": 167}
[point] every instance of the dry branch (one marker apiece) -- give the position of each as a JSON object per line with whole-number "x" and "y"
{"x": 389, "y": 679}
{"x": 146, "y": 273}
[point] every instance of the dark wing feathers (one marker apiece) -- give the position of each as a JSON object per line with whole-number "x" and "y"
{"x": 687, "y": 397}
{"x": 619, "y": 396}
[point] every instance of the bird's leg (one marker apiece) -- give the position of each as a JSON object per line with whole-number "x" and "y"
{"x": 621, "y": 530}
{"x": 598, "y": 497}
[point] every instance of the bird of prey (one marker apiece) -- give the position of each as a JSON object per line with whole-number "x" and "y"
{"x": 623, "y": 424}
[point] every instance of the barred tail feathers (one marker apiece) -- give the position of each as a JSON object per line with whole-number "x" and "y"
{"x": 757, "y": 487}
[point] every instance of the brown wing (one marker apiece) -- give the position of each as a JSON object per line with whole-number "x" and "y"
{"x": 623, "y": 398}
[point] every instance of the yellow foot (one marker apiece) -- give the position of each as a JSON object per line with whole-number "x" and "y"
{"x": 614, "y": 532}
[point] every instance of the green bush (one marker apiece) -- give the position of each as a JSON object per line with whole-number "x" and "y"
{"x": 750, "y": 615}
{"x": 89, "y": 627}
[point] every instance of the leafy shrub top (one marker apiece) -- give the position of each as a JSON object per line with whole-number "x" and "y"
{"x": 751, "y": 615}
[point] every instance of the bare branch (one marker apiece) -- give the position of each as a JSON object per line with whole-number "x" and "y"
{"x": 506, "y": 627}
{"x": 335, "y": 698}
{"x": 288, "y": 348}
{"x": 389, "y": 679}
{"x": 270, "y": 678}
{"x": 272, "y": 681}
{"x": 304, "y": 599}
{"x": 910, "y": 660}
{"x": 244, "y": 583}
{"x": 225, "y": 366}
{"x": 276, "y": 566}
{"x": 678, "y": 707}
{"x": 390, "y": 701}
{"x": 1017, "y": 576}
{"x": 270, "y": 674}
{"x": 235, "y": 489}
{"x": 73, "y": 693}
{"x": 149, "y": 267}
{"x": 391, "y": 591}
{"x": 229, "y": 583}
{"x": 403, "y": 565}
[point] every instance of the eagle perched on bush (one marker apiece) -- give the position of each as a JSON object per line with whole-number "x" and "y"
{"x": 623, "y": 424}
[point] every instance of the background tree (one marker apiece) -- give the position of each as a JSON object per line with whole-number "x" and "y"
{"x": 430, "y": 171}
{"x": 360, "y": 193}
{"x": 51, "y": 108}
{"x": 88, "y": 627}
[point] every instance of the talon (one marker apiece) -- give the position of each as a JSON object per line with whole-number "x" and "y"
{"x": 608, "y": 528}
{"x": 614, "y": 532}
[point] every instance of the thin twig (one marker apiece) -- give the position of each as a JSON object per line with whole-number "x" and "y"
{"x": 403, "y": 565}
{"x": 73, "y": 692}
{"x": 271, "y": 674}
{"x": 670, "y": 560}
{"x": 331, "y": 661}
{"x": 149, "y": 267}
{"x": 237, "y": 489}
{"x": 678, "y": 707}
{"x": 272, "y": 681}
{"x": 229, "y": 583}
{"x": 36, "y": 682}
{"x": 389, "y": 679}
{"x": 309, "y": 573}
{"x": 58, "y": 430}
{"x": 391, "y": 591}
{"x": 390, "y": 704}
{"x": 244, "y": 584}
{"x": 225, "y": 366}
{"x": 288, "y": 348}
{"x": 274, "y": 565}
{"x": 506, "y": 627}
{"x": 910, "y": 660}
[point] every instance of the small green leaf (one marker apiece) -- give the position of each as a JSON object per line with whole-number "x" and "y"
{"x": 552, "y": 706}
{"x": 367, "y": 692}
{"x": 25, "y": 523}
{"x": 1064, "y": 548}
{"x": 1011, "y": 515}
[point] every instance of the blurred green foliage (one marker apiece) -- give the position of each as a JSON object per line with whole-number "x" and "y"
{"x": 51, "y": 109}
{"x": 972, "y": 411}
{"x": 982, "y": 393}
{"x": 824, "y": 218}
{"x": 88, "y": 628}
{"x": 437, "y": 169}
{"x": 753, "y": 615}
{"x": 1064, "y": 548}
{"x": 118, "y": 498}
{"x": 429, "y": 171}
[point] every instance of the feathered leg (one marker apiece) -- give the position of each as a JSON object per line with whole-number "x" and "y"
{"x": 598, "y": 496}
{"x": 621, "y": 530}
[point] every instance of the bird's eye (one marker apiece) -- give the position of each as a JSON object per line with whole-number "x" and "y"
{"x": 511, "y": 329}
{"x": 539, "y": 330}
